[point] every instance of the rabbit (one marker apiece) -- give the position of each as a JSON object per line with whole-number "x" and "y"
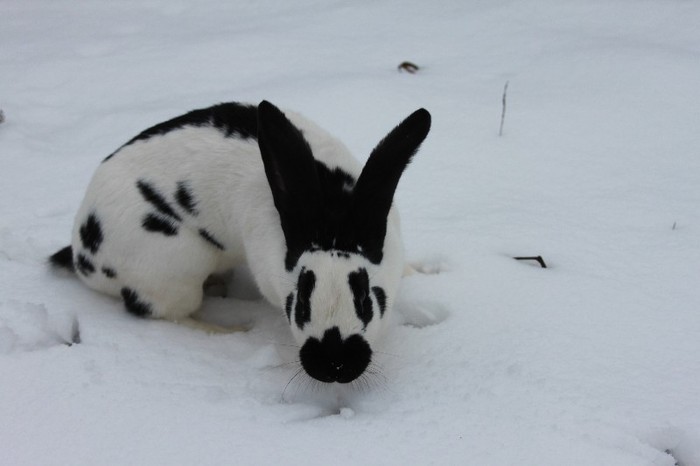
{"x": 243, "y": 184}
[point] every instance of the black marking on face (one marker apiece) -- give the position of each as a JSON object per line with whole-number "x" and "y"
{"x": 210, "y": 239}
{"x": 152, "y": 196}
{"x": 232, "y": 119}
{"x": 158, "y": 224}
{"x": 84, "y": 265}
{"x": 91, "y": 233}
{"x": 380, "y": 296}
{"x": 109, "y": 272}
{"x": 359, "y": 285}
{"x": 288, "y": 306}
{"x": 305, "y": 286}
{"x": 134, "y": 304}
{"x": 184, "y": 197}
{"x": 334, "y": 359}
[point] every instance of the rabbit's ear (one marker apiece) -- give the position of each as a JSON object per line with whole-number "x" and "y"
{"x": 291, "y": 174}
{"x": 374, "y": 190}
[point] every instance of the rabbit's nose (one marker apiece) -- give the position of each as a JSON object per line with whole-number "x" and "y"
{"x": 334, "y": 359}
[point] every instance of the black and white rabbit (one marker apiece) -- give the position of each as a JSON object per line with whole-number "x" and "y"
{"x": 233, "y": 184}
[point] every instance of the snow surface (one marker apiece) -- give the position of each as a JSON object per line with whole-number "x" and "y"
{"x": 592, "y": 361}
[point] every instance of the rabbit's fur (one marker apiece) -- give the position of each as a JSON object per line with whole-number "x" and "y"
{"x": 233, "y": 184}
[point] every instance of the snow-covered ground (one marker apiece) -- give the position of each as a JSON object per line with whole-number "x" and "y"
{"x": 594, "y": 360}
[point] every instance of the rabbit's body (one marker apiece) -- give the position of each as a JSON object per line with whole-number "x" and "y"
{"x": 195, "y": 196}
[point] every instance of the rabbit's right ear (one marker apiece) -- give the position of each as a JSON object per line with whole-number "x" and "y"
{"x": 292, "y": 176}
{"x": 374, "y": 191}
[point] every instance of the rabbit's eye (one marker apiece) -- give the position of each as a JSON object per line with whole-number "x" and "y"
{"x": 367, "y": 306}
{"x": 380, "y": 297}
{"x": 359, "y": 285}
{"x": 305, "y": 286}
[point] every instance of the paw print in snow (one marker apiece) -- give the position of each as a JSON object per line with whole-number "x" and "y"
{"x": 428, "y": 267}
{"x": 29, "y": 327}
{"x": 422, "y": 313}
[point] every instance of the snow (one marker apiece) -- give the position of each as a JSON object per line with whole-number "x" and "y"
{"x": 491, "y": 361}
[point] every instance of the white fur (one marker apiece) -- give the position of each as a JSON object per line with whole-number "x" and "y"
{"x": 235, "y": 205}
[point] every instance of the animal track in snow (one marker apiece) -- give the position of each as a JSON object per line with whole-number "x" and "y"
{"x": 680, "y": 444}
{"x": 423, "y": 313}
{"x": 428, "y": 267}
{"x": 29, "y": 327}
{"x": 417, "y": 312}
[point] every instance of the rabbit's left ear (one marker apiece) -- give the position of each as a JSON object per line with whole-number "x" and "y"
{"x": 374, "y": 191}
{"x": 292, "y": 176}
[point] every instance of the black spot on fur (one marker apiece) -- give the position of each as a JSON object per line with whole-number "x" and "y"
{"x": 133, "y": 303}
{"x": 305, "y": 287}
{"x": 380, "y": 296}
{"x": 109, "y": 272}
{"x": 84, "y": 265}
{"x": 333, "y": 359}
{"x": 288, "y": 306}
{"x": 152, "y": 196}
{"x": 359, "y": 285}
{"x": 232, "y": 119}
{"x": 184, "y": 197}
{"x": 63, "y": 258}
{"x": 91, "y": 233}
{"x": 157, "y": 224}
{"x": 210, "y": 239}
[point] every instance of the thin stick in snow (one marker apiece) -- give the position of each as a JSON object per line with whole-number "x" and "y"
{"x": 503, "y": 109}
{"x": 2, "y": 116}
{"x": 408, "y": 67}
{"x": 537, "y": 259}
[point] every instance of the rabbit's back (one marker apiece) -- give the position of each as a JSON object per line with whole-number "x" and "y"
{"x": 179, "y": 201}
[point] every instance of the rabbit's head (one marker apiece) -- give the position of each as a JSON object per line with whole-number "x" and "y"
{"x": 344, "y": 252}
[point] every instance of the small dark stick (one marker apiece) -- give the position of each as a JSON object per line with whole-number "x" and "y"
{"x": 2, "y": 116}
{"x": 533, "y": 258}
{"x": 408, "y": 67}
{"x": 503, "y": 109}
